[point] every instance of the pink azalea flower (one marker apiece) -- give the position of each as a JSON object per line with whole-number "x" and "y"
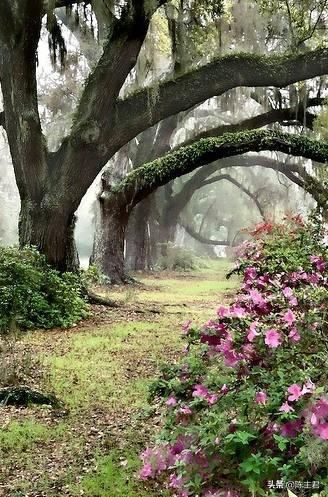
{"x": 171, "y": 401}
{"x": 231, "y": 358}
{"x": 314, "y": 278}
{"x": 286, "y": 408}
{"x": 146, "y": 472}
{"x": 256, "y": 297}
{"x": 186, "y": 327}
{"x": 200, "y": 391}
{"x": 289, "y": 317}
{"x": 288, "y": 292}
{"x": 175, "y": 481}
{"x": 294, "y": 335}
{"x": 250, "y": 273}
{"x": 308, "y": 387}
{"x": 272, "y": 338}
{"x": 212, "y": 398}
{"x": 295, "y": 392}
{"x": 224, "y": 389}
{"x": 318, "y": 262}
{"x": 322, "y": 431}
{"x": 185, "y": 410}
{"x": 223, "y": 312}
{"x": 252, "y": 333}
{"x": 261, "y": 398}
{"x": 291, "y": 428}
{"x": 237, "y": 312}
{"x": 321, "y": 408}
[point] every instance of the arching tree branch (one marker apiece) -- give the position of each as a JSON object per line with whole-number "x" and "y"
{"x": 292, "y": 116}
{"x": 225, "y": 73}
{"x": 146, "y": 179}
{"x": 200, "y": 238}
{"x": 230, "y": 179}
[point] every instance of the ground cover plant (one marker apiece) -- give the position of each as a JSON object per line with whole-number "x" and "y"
{"x": 246, "y": 409}
{"x": 33, "y": 295}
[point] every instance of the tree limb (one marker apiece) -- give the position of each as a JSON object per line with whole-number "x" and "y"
{"x": 230, "y": 179}
{"x": 146, "y": 179}
{"x": 134, "y": 113}
{"x": 293, "y": 116}
{"x": 200, "y": 238}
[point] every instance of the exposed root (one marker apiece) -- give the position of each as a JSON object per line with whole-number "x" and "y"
{"x": 94, "y": 298}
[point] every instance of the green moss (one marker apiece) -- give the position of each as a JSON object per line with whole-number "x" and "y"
{"x": 184, "y": 160}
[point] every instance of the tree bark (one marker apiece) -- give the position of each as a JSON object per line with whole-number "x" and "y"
{"x": 138, "y": 250}
{"x": 108, "y": 252}
{"x": 51, "y": 230}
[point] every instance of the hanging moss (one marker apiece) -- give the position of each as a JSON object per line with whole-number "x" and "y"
{"x": 56, "y": 42}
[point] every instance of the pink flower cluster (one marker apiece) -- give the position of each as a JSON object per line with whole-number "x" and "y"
{"x": 267, "y": 320}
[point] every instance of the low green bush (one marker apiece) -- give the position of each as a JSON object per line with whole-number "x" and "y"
{"x": 179, "y": 259}
{"x": 33, "y": 295}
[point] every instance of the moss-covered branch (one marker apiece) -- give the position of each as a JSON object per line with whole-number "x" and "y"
{"x": 146, "y": 179}
{"x": 224, "y": 73}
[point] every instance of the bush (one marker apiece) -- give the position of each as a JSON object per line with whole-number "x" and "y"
{"x": 179, "y": 259}
{"x": 247, "y": 408}
{"x": 32, "y": 295}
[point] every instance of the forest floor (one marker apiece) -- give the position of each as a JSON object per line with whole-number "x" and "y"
{"x": 101, "y": 369}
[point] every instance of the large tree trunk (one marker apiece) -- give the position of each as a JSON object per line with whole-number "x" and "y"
{"x": 138, "y": 256}
{"x": 52, "y": 232}
{"x": 108, "y": 250}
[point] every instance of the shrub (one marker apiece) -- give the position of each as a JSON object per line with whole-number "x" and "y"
{"x": 32, "y": 295}
{"x": 94, "y": 276}
{"x": 247, "y": 407}
{"x": 179, "y": 259}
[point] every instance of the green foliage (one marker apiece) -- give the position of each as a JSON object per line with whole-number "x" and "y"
{"x": 32, "y": 295}
{"x": 305, "y": 19}
{"x": 178, "y": 259}
{"x": 110, "y": 479}
{"x": 321, "y": 124}
{"x": 248, "y": 401}
{"x": 93, "y": 276}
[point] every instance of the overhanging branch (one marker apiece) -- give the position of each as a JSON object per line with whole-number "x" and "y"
{"x": 146, "y": 179}
{"x": 134, "y": 113}
{"x": 292, "y": 116}
{"x": 191, "y": 232}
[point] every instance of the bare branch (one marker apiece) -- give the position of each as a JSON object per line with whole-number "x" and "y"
{"x": 230, "y": 179}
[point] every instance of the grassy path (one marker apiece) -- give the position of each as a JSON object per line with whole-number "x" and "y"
{"x": 102, "y": 370}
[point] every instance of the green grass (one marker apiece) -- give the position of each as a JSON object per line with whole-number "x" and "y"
{"x": 102, "y": 374}
{"x": 94, "y": 369}
{"x": 115, "y": 477}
